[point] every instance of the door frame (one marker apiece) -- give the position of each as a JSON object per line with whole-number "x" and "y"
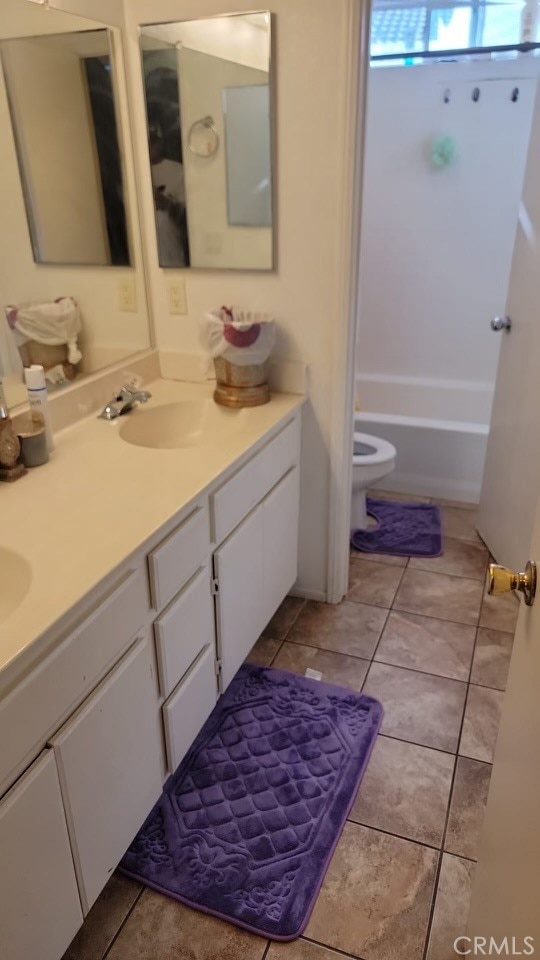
{"x": 353, "y": 120}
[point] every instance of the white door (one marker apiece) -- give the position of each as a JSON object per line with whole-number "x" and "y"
{"x": 507, "y": 882}
{"x": 238, "y": 567}
{"x": 511, "y": 481}
{"x": 505, "y": 900}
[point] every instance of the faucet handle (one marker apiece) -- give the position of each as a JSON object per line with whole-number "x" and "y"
{"x": 129, "y": 393}
{"x": 124, "y": 393}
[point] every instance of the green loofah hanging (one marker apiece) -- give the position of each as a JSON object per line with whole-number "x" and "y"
{"x": 443, "y": 152}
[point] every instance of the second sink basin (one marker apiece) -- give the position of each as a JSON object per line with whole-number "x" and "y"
{"x": 188, "y": 423}
{"x": 15, "y": 580}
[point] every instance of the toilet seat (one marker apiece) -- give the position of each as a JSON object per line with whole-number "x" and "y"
{"x": 378, "y": 450}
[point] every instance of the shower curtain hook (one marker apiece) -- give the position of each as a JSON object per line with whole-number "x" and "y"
{"x": 476, "y": 94}
{"x": 515, "y": 95}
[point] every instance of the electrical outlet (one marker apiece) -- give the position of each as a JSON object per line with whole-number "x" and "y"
{"x": 127, "y": 297}
{"x": 177, "y": 297}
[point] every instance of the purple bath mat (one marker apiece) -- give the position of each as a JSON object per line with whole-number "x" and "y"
{"x": 246, "y": 826}
{"x": 404, "y": 529}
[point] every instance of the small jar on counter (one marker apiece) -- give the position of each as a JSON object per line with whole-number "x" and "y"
{"x": 32, "y": 435}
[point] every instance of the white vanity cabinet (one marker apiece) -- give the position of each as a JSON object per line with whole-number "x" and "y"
{"x": 40, "y": 910}
{"x": 136, "y": 667}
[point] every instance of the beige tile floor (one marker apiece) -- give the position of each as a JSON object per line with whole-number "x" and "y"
{"x": 419, "y": 636}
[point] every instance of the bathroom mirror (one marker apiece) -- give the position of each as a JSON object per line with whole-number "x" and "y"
{"x": 60, "y": 90}
{"x": 65, "y": 159}
{"x": 208, "y": 88}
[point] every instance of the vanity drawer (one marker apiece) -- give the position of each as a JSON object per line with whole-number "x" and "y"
{"x": 188, "y": 708}
{"x": 184, "y": 629}
{"x": 41, "y": 702}
{"x": 234, "y": 500}
{"x": 177, "y": 558}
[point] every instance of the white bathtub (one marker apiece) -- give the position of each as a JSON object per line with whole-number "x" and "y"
{"x": 435, "y": 457}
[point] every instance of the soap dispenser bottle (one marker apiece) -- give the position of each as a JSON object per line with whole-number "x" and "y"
{"x": 38, "y": 398}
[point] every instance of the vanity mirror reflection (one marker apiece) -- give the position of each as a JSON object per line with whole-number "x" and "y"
{"x": 70, "y": 249}
{"x": 208, "y": 104}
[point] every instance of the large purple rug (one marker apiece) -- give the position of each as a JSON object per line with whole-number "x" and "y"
{"x": 246, "y": 826}
{"x": 404, "y": 529}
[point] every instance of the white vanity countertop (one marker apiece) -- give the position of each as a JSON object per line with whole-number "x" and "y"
{"x": 77, "y": 518}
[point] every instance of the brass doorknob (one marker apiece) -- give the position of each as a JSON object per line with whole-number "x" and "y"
{"x": 502, "y": 580}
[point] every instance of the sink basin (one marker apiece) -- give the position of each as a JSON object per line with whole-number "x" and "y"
{"x": 15, "y": 580}
{"x": 188, "y": 423}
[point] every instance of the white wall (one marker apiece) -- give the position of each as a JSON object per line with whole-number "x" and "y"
{"x": 109, "y": 333}
{"x": 110, "y": 12}
{"x": 312, "y": 44}
{"x": 437, "y": 244}
{"x": 242, "y": 39}
{"x": 49, "y": 98}
{"x": 19, "y": 18}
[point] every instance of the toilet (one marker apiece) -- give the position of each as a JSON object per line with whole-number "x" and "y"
{"x": 373, "y": 459}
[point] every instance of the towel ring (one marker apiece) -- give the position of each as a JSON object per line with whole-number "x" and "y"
{"x": 209, "y": 146}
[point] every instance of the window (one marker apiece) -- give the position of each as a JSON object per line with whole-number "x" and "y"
{"x": 404, "y": 29}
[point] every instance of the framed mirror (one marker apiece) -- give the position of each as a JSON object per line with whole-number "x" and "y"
{"x": 208, "y": 94}
{"x": 60, "y": 90}
{"x": 67, "y": 195}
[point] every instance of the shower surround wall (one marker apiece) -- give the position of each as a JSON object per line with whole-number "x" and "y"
{"x": 435, "y": 262}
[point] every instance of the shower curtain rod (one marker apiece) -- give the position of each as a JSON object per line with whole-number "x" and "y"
{"x": 458, "y": 52}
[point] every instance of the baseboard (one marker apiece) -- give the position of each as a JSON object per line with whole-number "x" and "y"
{"x": 305, "y": 593}
{"x": 423, "y": 486}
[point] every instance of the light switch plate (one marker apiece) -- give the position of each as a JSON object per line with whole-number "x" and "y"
{"x": 127, "y": 297}
{"x": 177, "y": 297}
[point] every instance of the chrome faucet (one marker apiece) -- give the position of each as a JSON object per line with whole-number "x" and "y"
{"x": 122, "y": 402}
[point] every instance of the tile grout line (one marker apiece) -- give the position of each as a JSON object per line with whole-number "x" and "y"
{"x": 122, "y": 925}
{"x": 278, "y": 651}
{"x": 416, "y": 569}
{"x": 336, "y": 950}
{"x": 400, "y": 836}
{"x": 427, "y": 746}
{"x": 441, "y": 676}
{"x": 450, "y": 795}
{"x": 377, "y": 645}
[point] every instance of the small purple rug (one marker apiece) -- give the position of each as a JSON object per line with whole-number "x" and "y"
{"x": 404, "y": 529}
{"x": 247, "y": 824}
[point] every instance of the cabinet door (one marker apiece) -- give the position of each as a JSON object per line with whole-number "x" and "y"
{"x": 40, "y": 911}
{"x": 109, "y": 760}
{"x": 238, "y": 565}
{"x": 280, "y": 539}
